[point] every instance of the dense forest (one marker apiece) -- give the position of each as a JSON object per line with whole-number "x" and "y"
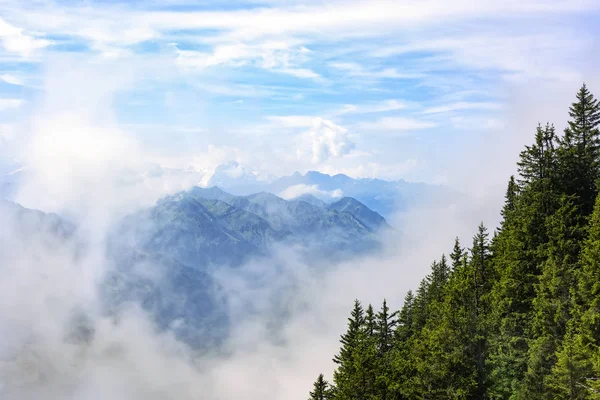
{"x": 514, "y": 316}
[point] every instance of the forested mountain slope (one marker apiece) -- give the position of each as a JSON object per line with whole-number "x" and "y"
{"x": 516, "y": 315}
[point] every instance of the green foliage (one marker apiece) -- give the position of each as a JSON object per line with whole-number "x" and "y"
{"x": 517, "y": 317}
{"x": 321, "y": 390}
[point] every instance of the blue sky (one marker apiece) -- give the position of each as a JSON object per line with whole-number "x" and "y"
{"x": 389, "y": 89}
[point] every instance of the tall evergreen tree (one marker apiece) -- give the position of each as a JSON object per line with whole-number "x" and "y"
{"x": 518, "y": 253}
{"x": 553, "y": 301}
{"x": 347, "y": 381}
{"x": 576, "y": 373}
{"x": 457, "y": 254}
{"x": 510, "y": 199}
{"x": 482, "y": 278}
{"x": 384, "y": 330}
{"x": 579, "y": 152}
{"x": 536, "y": 163}
{"x": 386, "y": 323}
{"x": 321, "y": 390}
{"x": 370, "y": 322}
{"x": 405, "y": 318}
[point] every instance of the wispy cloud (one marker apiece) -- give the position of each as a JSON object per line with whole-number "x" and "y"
{"x": 9, "y": 104}
{"x": 276, "y": 56}
{"x": 357, "y": 70}
{"x": 463, "y": 105}
{"x": 11, "y": 79}
{"x": 396, "y": 124}
{"x": 14, "y": 40}
{"x": 378, "y": 107}
{"x": 292, "y": 121}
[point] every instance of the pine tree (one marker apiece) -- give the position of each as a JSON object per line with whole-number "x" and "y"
{"x": 573, "y": 368}
{"x": 579, "y": 152}
{"x": 553, "y": 302}
{"x": 405, "y": 318}
{"x": 401, "y": 366}
{"x": 518, "y": 253}
{"x": 457, "y": 254}
{"x": 510, "y": 200}
{"x": 482, "y": 276}
{"x": 321, "y": 390}
{"x": 536, "y": 163}
{"x": 384, "y": 331}
{"x": 386, "y": 323}
{"x": 356, "y": 372}
{"x": 588, "y": 285}
{"x": 370, "y": 323}
{"x": 577, "y": 371}
{"x": 346, "y": 377}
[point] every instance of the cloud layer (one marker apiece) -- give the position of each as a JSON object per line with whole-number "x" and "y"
{"x": 389, "y": 72}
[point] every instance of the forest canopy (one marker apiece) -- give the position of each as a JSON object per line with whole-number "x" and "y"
{"x": 516, "y": 315}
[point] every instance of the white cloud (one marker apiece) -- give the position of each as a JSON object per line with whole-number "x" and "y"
{"x": 390, "y": 171}
{"x": 373, "y": 16}
{"x": 298, "y": 190}
{"x": 11, "y": 79}
{"x": 7, "y": 133}
{"x": 274, "y": 37}
{"x": 397, "y": 124}
{"x": 478, "y": 123}
{"x": 383, "y": 106}
{"x": 300, "y": 73}
{"x": 463, "y": 105}
{"x": 9, "y": 104}
{"x": 276, "y": 56}
{"x": 292, "y": 121}
{"x": 323, "y": 141}
{"x": 15, "y": 41}
{"x": 357, "y": 70}
{"x": 517, "y": 53}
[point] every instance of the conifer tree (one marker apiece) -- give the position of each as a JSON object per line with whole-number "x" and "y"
{"x": 405, "y": 316}
{"x": 321, "y": 390}
{"x": 553, "y": 302}
{"x": 573, "y": 372}
{"x": 536, "y": 163}
{"x": 577, "y": 372}
{"x": 579, "y": 152}
{"x": 346, "y": 377}
{"x": 457, "y": 254}
{"x": 517, "y": 257}
{"x": 370, "y": 323}
{"x": 384, "y": 330}
{"x": 386, "y": 323}
{"x": 482, "y": 275}
{"x": 510, "y": 199}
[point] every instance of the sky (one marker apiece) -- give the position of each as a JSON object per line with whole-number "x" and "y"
{"x": 388, "y": 89}
{"x": 429, "y": 90}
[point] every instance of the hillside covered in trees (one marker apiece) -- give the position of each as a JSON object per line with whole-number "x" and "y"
{"x": 514, "y": 316}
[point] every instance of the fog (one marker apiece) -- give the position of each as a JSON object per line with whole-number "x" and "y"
{"x": 76, "y": 153}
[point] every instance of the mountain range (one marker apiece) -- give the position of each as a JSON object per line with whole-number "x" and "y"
{"x": 164, "y": 257}
{"x": 185, "y": 237}
{"x": 386, "y": 197}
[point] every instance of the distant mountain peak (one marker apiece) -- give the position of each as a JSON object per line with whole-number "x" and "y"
{"x": 315, "y": 173}
{"x": 310, "y": 199}
{"x": 370, "y": 218}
